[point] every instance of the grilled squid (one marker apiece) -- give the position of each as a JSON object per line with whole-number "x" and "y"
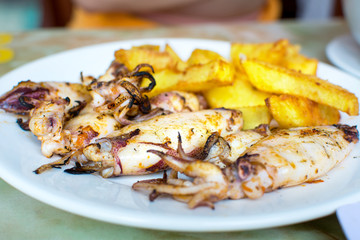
{"x": 90, "y": 125}
{"x": 28, "y": 95}
{"x": 59, "y": 135}
{"x": 284, "y": 158}
{"x": 171, "y": 102}
{"x": 64, "y": 119}
{"x": 46, "y": 106}
{"x": 178, "y": 101}
{"x": 46, "y": 122}
{"x": 122, "y": 95}
{"x": 125, "y": 152}
{"x": 292, "y": 157}
{"x": 58, "y": 114}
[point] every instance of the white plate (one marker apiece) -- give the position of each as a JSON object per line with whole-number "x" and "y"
{"x": 113, "y": 200}
{"x": 344, "y": 52}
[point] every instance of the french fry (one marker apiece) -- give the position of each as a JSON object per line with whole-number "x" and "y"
{"x": 280, "y": 53}
{"x": 296, "y": 61}
{"x": 203, "y": 77}
{"x": 149, "y": 47}
{"x": 274, "y": 79}
{"x": 180, "y": 65}
{"x": 240, "y": 94}
{"x": 146, "y": 54}
{"x": 196, "y": 78}
{"x": 166, "y": 80}
{"x": 254, "y": 116}
{"x": 291, "y": 111}
{"x": 201, "y": 56}
{"x": 269, "y": 52}
{"x": 302, "y": 64}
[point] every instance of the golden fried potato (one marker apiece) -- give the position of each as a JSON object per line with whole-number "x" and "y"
{"x": 290, "y": 111}
{"x": 274, "y": 79}
{"x": 149, "y": 47}
{"x": 180, "y": 65}
{"x": 166, "y": 80}
{"x": 240, "y": 94}
{"x": 303, "y": 64}
{"x": 330, "y": 115}
{"x": 146, "y": 54}
{"x": 280, "y": 53}
{"x": 254, "y": 116}
{"x": 202, "y": 77}
{"x": 294, "y": 60}
{"x": 273, "y": 52}
{"x": 201, "y": 56}
{"x": 195, "y": 79}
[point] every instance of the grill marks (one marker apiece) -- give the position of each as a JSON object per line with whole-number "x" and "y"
{"x": 351, "y": 133}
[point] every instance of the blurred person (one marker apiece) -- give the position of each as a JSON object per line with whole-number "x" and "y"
{"x": 147, "y": 14}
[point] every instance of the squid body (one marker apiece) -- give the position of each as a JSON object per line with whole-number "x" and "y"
{"x": 284, "y": 158}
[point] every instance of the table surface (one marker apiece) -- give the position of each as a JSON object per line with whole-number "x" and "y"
{"x": 25, "y": 218}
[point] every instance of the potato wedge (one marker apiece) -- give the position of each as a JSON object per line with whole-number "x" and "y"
{"x": 302, "y": 64}
{"x": 240, "y": 94}
{"x": 201, "y": 56}
{"x": 274, "y": 79}
{"x": 269, "y": 52}
{"x": 166, "y": 80}
{"x": 254, "y": 116}
{"x": 180, "y": 65}
{"x": 203, "y": 77}
{"x": 146, "y": 54}
{"x": 280, "y": 53}
{"x": 149, "y": 47}
{"x": 195, "y": 79}
{"x": 296, "y": 61}
{"x": 291, "y": 111}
